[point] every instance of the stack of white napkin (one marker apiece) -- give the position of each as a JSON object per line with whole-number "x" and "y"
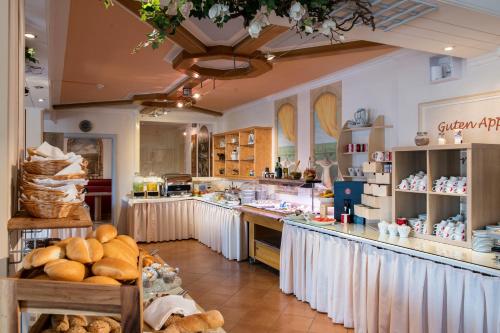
{"x": 157, "y": 314}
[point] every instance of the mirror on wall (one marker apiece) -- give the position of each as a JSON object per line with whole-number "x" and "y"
{"x": 326, "y": 113}
{"x": 286, "y": 129}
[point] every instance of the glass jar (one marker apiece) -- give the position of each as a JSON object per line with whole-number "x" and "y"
{"x": 138, "y": 184}
{"x": 441, "y": 139}
{"x": 422, "y": 139}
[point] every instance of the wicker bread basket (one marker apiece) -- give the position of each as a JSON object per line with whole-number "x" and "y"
{"x": 49, "y": 209}
{"x": 26, "y": 185}
{"x": 49, "y": 168}
{"x": 30, "y": 177}
{"x": 44, "y": 195}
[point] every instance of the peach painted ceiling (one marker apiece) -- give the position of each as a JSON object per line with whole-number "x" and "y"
{"x": 99, "y": 66}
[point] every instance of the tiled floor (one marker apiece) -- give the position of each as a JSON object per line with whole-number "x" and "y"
{"x": 247, "y": 295}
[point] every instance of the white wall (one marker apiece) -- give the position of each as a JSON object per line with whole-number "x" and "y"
{"x": 392, "y": 85}
{"x": 119, "y": 123}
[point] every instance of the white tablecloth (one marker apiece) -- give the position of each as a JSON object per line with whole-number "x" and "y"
{"x": 221, "y": 229}
{"x": 376, "y": 290}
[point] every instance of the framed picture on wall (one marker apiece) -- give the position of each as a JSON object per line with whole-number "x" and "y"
{"x": 286, "y": 129}
{"x": 326, "y": 113}
{"x": 91, "y": 150}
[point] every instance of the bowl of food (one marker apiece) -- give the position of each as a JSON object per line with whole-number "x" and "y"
{"x": 296, "y": 175}
{"x": 309, "y": 174}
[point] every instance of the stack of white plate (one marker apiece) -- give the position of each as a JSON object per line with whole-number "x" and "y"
{"x": 247, "y": 196}
{"x": 482, "y": 241}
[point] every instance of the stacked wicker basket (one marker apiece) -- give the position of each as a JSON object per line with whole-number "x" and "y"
{"x": 42, "y": 191}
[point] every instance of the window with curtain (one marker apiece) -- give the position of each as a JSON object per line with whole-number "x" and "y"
{"x": 326, "y": 130}
{"x": 286, "y": 132}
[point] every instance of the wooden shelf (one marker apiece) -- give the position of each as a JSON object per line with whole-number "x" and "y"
{"x": 22, "y": 221}
{"x": 357, "y": 177}
{"x": 356, "y": 152}
{"x": 367, "y": 128}
{"x": 410, "y": 191}
{"x": 248, "y": 161}
{"x": 478, "y": 162}
{"x": 449, "y": 194}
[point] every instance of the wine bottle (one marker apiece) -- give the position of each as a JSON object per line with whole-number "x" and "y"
{"x": 278, "y": 171}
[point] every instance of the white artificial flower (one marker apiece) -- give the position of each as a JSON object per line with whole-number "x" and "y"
{"x": 218, "y": 10}
{"x": 308, "y": 29}
{"x": 186, "y": 9}
{"x": 327, "y": 27}
{"x": 257, "y": 24}
{"x": 296, "y": 11}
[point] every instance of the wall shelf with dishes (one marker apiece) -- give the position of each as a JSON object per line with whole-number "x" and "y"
{"x": 359, "y": 144}
{"x": 247, "y": 152}
{"x": 447, "y": 191}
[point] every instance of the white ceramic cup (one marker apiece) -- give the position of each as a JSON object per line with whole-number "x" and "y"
{"x": 404, "y": 231}
{"x": 393, "y": 229}
{"x": 382, "y": 227}
{"x": 378, "y": 156}
{"x": 404, "y": 185}
{"x": 351, "y": 171}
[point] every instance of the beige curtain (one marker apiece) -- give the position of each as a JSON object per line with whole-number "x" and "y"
{"x": 326, "y": 110}
{"x": 286, "y": 119}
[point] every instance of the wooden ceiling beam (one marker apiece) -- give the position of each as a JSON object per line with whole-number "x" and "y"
{"x": 249, "y": 45}
{"x": 92, "y": 104}
{"x": 328, "y": 50}
{"x": 182, "y": 36}
{"x": 190, "y": 108}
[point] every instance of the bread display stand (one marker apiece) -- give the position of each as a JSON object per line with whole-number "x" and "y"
{"x": 27, "y": 227}
{"x": 77, "y": 298}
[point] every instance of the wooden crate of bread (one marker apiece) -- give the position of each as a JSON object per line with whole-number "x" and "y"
{"x": 108, "y": 286}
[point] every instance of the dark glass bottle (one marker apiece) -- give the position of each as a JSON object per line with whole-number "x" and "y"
{"x": 278, "y": 171}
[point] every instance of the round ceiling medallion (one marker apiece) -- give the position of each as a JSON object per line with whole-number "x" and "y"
{"x": 219, "y": 62}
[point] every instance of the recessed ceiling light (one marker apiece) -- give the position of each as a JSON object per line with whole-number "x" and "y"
{"x": 196, "y": 75}
{"x": 180, "y": 104}
{"x": 449, "y": 48}
{"x": 269, "y": 56}
{"x": 41, "y": 100}
{"x": 29, "y": 35}
{"x": 184, "y": 133}
{"x": 196, "y": 96}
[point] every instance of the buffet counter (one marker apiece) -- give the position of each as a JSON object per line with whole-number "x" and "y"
{"x": 216, "y": 225}
{"x": 377, "y": 284}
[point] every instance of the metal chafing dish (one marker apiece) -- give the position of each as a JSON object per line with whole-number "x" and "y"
{"x": 177, "y": 185}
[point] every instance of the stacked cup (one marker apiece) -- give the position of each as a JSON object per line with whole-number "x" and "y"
{"x": 450, "y": 185}
{"x": 416, "y": 182}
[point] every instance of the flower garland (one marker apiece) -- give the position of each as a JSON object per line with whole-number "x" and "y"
{"x": 309, "y": 17}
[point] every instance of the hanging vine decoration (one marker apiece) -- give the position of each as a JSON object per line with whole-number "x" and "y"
{"x": 30, "y": 55}
{"x": 308, "y": 17}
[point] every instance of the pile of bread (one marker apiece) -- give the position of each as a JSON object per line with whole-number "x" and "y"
{"x": 104, "y": 257}
{"x": 52, "y": 182}
{"x": 82, "y": 324}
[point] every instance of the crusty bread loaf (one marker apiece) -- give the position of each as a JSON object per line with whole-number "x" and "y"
{"x": 84, "y": 251}
{"x": 130, "y": 242}
{"x": 101, "y": 280}
{"x": 99, "y": 326}
{"x": 41, "y": 256}
{"x": 77, "y": 329}
{"x": 113, "y": 324}
{"x": 119, "y": 250}
{"x": 65, "y": 270}
{"x": 105, "y": 233}
{"x": 116, "y": 269}
{"x": 201, "y": 322}
{"x": 90, "y": 235}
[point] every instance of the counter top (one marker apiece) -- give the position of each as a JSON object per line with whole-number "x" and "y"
{"x": 447, "y": 254}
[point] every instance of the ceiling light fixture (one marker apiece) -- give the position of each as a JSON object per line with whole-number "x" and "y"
{"x": 184, "y": 133}
{"x": 449, "y": 48}
{"x": 29, "y": 35}
{"x": 196, "y": 96}
{"x": 196, "y": 75}
{"x": 269, "y": 56}
{"x": 41, "y": 100}
{"x": 180, "y": 104}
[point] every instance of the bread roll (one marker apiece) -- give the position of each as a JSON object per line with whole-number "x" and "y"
{"x": 65, "y": 270}
{"x": 76, "y": 320}
{"x": 41, "y": 276}
{"x": 105, "y": 233}
{"x": 90, "y": 235}
{"x": 76, "y": 329}
{"x": 116, "y": 269}
{"x": 41, "y": 256}
{"x": 99, "y": 326}
{"x": 119, "y": 250}
{"x": 113, "y": 324}
{"x": 102, "y": 280}
{"x": 130, "y": 242}
{"x": 84, "y": 251}
{"x": 65, "y": 242}
{"x": 201, "y": 322}
{"x": 59, "y": 323}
